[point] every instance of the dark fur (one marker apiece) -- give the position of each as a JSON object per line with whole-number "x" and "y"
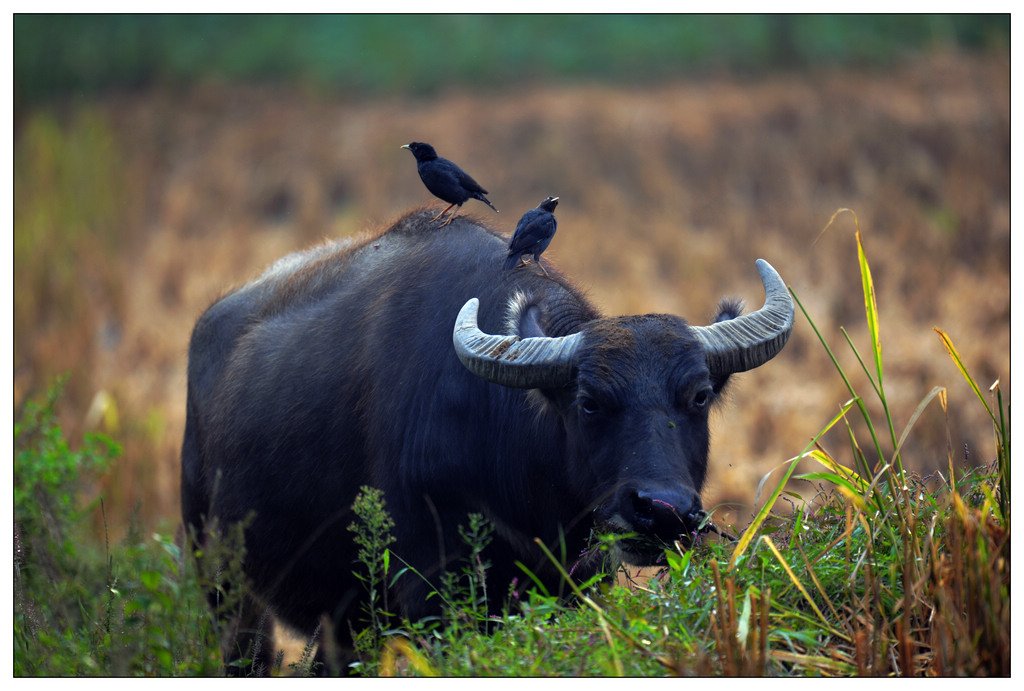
{"x": 336, "y": 369}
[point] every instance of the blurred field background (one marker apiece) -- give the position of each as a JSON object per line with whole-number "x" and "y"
{"x": 159, "y": 160}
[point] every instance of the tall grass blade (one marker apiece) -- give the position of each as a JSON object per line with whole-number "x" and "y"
{"x": 871, "y": 314}
{"x": 860, "y": 460}
{"x": 751, "y": 532}
{"x": 863, "y": 366}
{"x": 936, "y": 391}
{"x": 1002, "y": 429}
{"x": 868, "y": 285}
{"x": 859, "y": 484}
{"x": 824, "y": 344}
{"x": 870, "y": 303}
{"x": 1003, "y": 454}
{"x": 951, "y": 349}
{"x": 602, "y": 620}
{"x": 845, "y": 487}
{"x": 860, "y": 402}
{"x": 846, "y": 380}
{"x": 803, "y": 591}
{"x": 607, "y": 625}
{"x": 816, "y": 581}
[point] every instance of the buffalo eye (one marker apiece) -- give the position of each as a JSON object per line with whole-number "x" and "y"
{"x": 702, "y": 398}
{"x": 588, "y": 406}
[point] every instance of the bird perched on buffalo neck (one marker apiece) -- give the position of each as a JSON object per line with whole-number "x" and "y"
{"x": 445, "y": 180}
{"x": 533, "y": 234}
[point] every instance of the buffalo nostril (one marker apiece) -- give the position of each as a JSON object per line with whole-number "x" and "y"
{"x": 643, "y": 511}
{"x": 666, "y": 515}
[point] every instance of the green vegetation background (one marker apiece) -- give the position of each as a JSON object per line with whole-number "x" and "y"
{"x": 372, "y": 54}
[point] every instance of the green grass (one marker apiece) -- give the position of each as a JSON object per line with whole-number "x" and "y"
{"x": 84, "y": 609}
{"x": 875, "y": 571}
{"x": 369, "y": 54}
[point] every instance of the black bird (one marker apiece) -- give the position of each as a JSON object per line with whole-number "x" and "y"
{"x": 445, "y": 180}
{"x": 533, "y": 234}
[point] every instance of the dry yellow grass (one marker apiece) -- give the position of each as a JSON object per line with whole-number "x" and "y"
{"x": 668, "y": 195}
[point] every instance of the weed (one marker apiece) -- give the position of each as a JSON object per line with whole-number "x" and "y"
{"x": 465, "y": 593}
{"x": 138, "y": 609}
{"x": 49, "y": 478}
{"x": 463, "y": 596}
{"x": 372, "y": 531}
{"x": 52, "y": 564}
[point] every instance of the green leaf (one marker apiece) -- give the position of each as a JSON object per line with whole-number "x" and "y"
{"x": 150, "y": 579}
{"x": 951, "y": 349}
{"x": 870, "y": 303}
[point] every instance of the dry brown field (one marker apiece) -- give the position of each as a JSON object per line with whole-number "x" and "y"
{"x": 668, "y": 195}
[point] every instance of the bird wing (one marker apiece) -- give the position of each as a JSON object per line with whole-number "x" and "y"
{"x": 463, "y": 177}
{"x": 535, "y": 226}
{"x": 442, "y": 181}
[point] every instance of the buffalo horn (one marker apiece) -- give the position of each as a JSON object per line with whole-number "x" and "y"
{"x": 522, "y": 363}
{"x": 749, "y": 341}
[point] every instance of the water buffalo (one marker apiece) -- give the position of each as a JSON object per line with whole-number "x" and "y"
{"x": 412, "y": 362}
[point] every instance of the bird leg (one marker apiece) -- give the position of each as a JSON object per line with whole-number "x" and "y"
{"x": 450, "y": 218}
{"x": 523, "y": 262}
{"x": 442, "y": 214}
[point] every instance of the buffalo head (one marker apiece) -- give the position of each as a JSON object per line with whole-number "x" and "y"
{"x": 634, "y": 394}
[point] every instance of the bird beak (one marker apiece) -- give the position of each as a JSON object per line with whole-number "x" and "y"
{"x": 554, "y": 199}
{"x": 404, "y": 146}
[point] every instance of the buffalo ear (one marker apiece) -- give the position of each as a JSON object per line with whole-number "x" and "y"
{"x": 530, "y": 323}
{"x": 524, "y": 317}
{"x": 728, "y": 308}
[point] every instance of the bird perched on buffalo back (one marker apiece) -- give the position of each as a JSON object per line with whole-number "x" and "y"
{"x": 533, "y": 234}
{"x": 445, "y": 180}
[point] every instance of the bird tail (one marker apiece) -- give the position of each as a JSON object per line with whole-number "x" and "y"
{"x": 511, "y": 261}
